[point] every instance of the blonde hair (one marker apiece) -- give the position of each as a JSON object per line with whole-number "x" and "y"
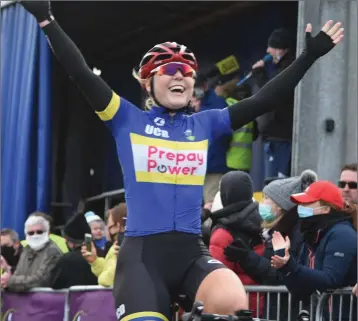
{"x": 270, "y": 225}
{"x": 149, "y": 102}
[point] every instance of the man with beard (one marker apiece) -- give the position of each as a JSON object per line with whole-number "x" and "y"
{"x": 37, "y": 260}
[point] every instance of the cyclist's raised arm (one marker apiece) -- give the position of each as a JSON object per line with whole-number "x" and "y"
{"x": 94, "y": 88}
{"x": 281, "y": 88}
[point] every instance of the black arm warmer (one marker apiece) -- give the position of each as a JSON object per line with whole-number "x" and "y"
{"x": 274, "y": 93}
{"x": 94, "y": 88}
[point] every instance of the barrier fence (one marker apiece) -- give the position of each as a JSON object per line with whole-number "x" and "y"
{"x": 95, "y": 303}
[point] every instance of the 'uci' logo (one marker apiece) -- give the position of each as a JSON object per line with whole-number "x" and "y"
{"x": 151, "y": 130}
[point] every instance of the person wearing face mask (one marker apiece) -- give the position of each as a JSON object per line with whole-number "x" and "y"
{"x": 10, "y": 249}
{"x": 279, "y": 213}
{"x": 328, "y": 259}
{"x": 104, "y": 268}
{"x": 37, "y": 259}
{"x": 275, "y": 127}
{"x": 72, "y": 269}
{"x": 163, "y": 155}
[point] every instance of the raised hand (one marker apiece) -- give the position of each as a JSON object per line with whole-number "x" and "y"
{"x": 90, "y": 258}
{"x": 325, "y": 40}
{"x": 279, "y": 261}
{"x": 41, "y": 10}
{"x": 278, "y": 242}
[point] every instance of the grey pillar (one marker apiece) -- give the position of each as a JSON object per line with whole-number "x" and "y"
{"x": 328, "y": 91}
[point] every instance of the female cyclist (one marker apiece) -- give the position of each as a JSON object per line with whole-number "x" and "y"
{"x": 163, "y": 157}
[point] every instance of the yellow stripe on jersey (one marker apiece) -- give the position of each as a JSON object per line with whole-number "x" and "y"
{"x": 111, "y": 109}
{"x": 157, "y": 142}
{"x": 154, "y": 177}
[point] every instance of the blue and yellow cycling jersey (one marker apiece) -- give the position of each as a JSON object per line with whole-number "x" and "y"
{"x": 163, "y": 159}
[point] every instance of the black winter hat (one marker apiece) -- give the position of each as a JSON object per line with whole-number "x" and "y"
{"x": 281, "y": 39}
{"x": 236, "y": 186}
{"x": 76, "y": 228}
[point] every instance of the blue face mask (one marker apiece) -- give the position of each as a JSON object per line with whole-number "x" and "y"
{"x": 265, "y": 211}
{"x": 304, "y": 212}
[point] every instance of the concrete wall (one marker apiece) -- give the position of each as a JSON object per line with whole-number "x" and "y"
{"x": 329, "y": 90}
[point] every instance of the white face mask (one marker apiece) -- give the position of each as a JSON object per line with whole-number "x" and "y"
{"x": 37, "y": 242}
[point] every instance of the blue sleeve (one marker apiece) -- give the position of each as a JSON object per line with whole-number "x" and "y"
{"x": 338, "y": 256}
{"x": 119, "y": 114}
{"x": 217, "y": 121}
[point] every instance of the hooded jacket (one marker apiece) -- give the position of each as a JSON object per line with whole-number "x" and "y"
{"x": 239, "y": 219}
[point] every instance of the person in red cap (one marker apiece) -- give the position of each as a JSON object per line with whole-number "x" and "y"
{"x": 328, "y": 259}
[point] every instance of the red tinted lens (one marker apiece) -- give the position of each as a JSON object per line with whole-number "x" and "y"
{"x": 172, "y": 68}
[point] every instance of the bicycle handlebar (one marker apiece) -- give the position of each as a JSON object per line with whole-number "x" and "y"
{"x": 197, "y": 315}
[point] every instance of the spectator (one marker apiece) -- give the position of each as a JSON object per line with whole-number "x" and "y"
{"x": 97, "y": 230}
{"x": 240, "y": 222}
{"x": 58, "y": 240}
{"x": 275, "y": 127}
{"x": 239, "y": 154}
{"x": 279, "y": 214}
{"x": 72, "y": 269}
{"x": 348, "y": 183}
{"x": 10, "y": 248}
{"x": 104, "y": 268}
{"x": 328, "y": 259}
{"x": 37, "y": 260}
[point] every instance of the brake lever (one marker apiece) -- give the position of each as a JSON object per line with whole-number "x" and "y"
{"x": 196, "y": 312}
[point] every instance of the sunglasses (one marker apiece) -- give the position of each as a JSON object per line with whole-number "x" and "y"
{"x": 171, "y": 68}
{"x": 39, "y": 232}
{"x": 351, "y": 185}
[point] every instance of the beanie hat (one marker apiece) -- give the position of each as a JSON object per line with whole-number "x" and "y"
{"x": 91, "y": 216}
{"x": 280, "y": 190}
{"x": 76, "y": 228}
{"x": 236, "y": 186}
{"x": 281, "y": 39}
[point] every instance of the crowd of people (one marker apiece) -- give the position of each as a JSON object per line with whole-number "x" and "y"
{"x": 48, "y": 260}
{"x": 292, "y": 236}
{"x": 302, "y": 232}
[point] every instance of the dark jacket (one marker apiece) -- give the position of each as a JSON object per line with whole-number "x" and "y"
{"x": 72, "y": 269}
{"x": 259, "y": 267}
{"x": 328, "y": 261}
{"x": 276, "y": 125}
{"x": 218, "y": 148}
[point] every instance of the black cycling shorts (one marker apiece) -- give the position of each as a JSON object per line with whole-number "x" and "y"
{"x": 152, "y": 270}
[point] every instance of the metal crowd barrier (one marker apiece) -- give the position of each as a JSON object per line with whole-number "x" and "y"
{"x": 93, "y": 303}
{"x": 346, "y": 305}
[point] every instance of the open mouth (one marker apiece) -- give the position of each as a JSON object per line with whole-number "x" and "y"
{"x": 177, "y": 89}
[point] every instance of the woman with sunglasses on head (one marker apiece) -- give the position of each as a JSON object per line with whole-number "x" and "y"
{"x": 163, "y": 157}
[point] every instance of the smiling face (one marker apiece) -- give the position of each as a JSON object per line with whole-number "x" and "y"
{"x": 173, "y": 92}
